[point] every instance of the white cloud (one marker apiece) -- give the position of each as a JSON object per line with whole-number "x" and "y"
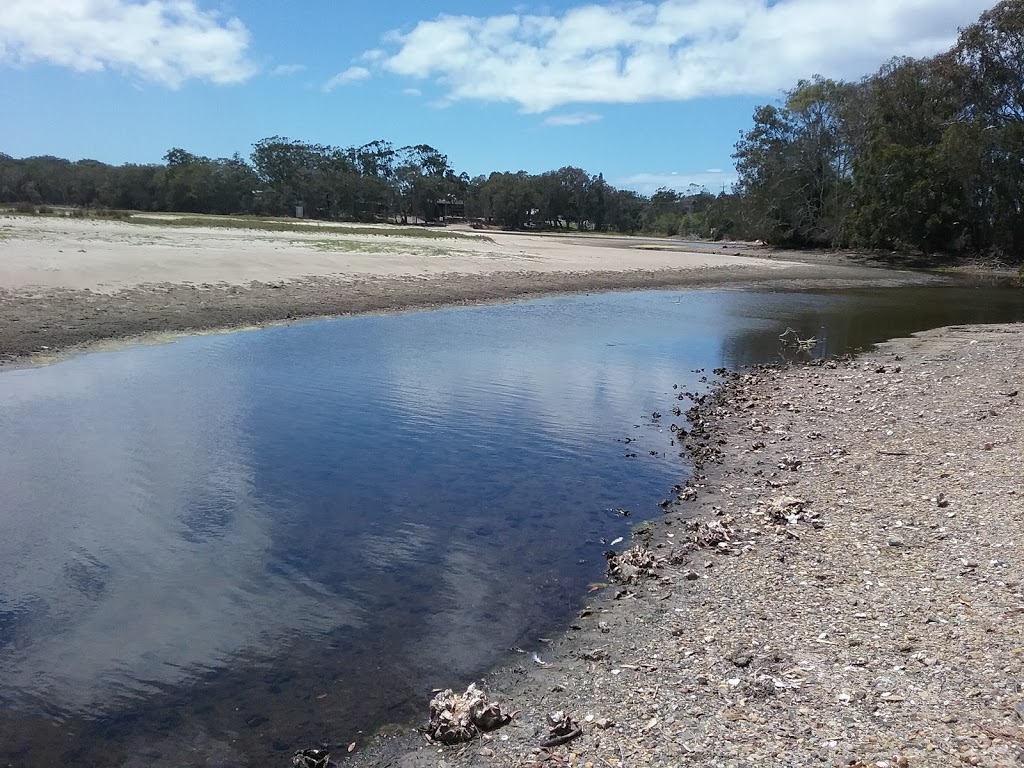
{"x": 285, "y": 70}
{"x": 162, "y": 41}
{"x": 712, "y": 179}
{"x": 412, "y": 92}
{"x": 669, "y": 50}
{"x": 350, "y": 75}
{"x": 572, "y": 118}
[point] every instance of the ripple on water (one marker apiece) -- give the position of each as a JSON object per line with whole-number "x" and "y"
{"x": 236, "y": 545}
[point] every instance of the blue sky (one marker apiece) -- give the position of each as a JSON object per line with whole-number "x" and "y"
{"x": 649, "y": 93}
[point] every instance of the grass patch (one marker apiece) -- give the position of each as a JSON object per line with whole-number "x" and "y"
{"x": 285, "y": 225}
{"x": 350, "y": 246}
{"x": 359, "y": 246}
{"x": 98, "y": 213}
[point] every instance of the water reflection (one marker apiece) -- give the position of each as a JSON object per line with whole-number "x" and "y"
{"x": 233, "y": 545}
{"x": 844, "y": 321}
{"x": 135, "y": 546}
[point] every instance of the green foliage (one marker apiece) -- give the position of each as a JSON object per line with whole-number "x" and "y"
{"x": 795, "y": 165}
{"x": 925, "y": 155}
{"x": 670, "y": 213}
{"x": 374, "y": 182}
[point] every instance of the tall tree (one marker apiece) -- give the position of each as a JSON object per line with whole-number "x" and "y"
{"x": 424, "y": 179}
{"x": 796, "y": 164}
{"x": 908, "y": 195}
{"x": 990, "y": 66}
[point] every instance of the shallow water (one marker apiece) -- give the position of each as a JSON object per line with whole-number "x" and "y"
{"x": 229, "y": 547}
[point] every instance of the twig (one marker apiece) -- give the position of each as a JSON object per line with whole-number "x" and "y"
{"x": 560, "y": 740}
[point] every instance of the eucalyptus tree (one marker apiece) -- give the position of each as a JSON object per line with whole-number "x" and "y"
{"x": 292, "y": 172}
{"x": 511, "y": 198}
{"x": 424, "y": 178}
{"x": 989, "y": 59}
{"x": 577, "y": 189}
{"x": 475, "y": 196}
{"x": 795, "y": 165}
{"x": 909, "y": 193}
{"x": 133, "y": 187}
{"x": 625, "y": 210}
{"x": 551, "y": 199}
{"x": 187, "y": 182}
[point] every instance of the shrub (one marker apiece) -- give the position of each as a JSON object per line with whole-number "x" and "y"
{"x": 112, "y": 213}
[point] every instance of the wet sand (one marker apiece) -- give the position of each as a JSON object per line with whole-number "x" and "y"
{"x": 69, "y": 283}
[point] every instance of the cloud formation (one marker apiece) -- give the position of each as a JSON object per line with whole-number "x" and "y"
{"x": 669, "y": 50}
{"x": 163, "y": 41}
{"x": 350, "y": 75}
{"x": 572, "y": 118}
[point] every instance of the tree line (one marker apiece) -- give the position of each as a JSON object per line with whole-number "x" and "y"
{"x": 369, "y": 182}
{"x": 925, "y": 155}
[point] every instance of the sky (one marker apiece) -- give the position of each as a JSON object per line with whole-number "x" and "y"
{"x": 650, "y": 93}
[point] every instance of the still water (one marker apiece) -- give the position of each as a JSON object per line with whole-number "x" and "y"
{"x": 223, "y": 549}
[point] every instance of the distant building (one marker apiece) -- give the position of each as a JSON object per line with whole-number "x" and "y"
{"x": 448, "y": 209}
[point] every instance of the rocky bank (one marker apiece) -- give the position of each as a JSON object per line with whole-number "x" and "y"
{"x": 840, "y": 585}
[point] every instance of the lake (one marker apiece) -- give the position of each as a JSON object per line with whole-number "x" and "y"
{"x": 225, "y": 548}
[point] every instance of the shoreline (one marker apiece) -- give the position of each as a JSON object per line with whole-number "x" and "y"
{"x": 37, "y": 326}
{"x": 68, "y": 284}
{"x": 840, "y": 586}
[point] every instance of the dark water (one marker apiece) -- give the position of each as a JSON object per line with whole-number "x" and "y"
{"x": 220, "y": 550}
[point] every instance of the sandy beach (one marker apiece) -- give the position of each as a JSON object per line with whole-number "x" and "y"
{"x": 107, "y": 256}
{"x": 840, "y": 585}
{"x": 66, "y": 282}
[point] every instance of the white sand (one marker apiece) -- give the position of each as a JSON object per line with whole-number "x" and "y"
{"x": 50, "y": 252}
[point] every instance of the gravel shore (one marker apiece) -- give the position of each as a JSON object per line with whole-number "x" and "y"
{"x": 839, "y": 585}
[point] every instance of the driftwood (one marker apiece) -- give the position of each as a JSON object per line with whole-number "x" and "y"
{"x": 790, "y": 338}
